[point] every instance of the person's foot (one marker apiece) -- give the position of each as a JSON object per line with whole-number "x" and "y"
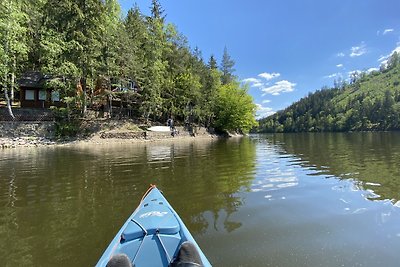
{"x": 188, "y": 256}
{"x": 119, "y": 260}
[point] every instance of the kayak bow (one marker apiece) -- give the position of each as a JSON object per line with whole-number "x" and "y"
{"x": 152, "y": 236}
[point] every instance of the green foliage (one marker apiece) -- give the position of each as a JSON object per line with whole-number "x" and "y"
{"x": 212, "y": 63}
{"x": 235, "y": 110}
{"x": 370, "y": 102}
{"x": 13, "y": 40}
{"x": 65, "y": 124}
{"x": 81, "y": 42}
{"x": 227, "y": 67}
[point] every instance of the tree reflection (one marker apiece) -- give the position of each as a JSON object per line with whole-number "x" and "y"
{"x": 204, "y": 179}
{"x": 372, "y": 159}
{"x": 70, "y": 201}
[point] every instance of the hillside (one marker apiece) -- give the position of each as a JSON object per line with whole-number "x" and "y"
{"x": 368, "y": 102}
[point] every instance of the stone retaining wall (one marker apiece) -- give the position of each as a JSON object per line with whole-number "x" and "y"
{"x": 27, "y": 114}
{"x": 123, "y": 135}
{"x": 26, "y": 129}
{"x": 149, "y": 135}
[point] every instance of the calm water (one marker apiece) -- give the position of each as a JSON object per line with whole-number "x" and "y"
{"x": 270, "y": 200}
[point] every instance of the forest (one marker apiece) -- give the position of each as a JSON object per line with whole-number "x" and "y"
{"x": 91, "y": 47}
{"x": 368, "y": 101}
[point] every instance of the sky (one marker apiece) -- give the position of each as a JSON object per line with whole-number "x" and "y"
{"x": 285, "y": 49}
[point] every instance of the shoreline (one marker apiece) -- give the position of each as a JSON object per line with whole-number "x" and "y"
{"x": 99, "y": 132}
{"x": 34, "y": 141}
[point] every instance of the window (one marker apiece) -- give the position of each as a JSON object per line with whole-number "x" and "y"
{"x": 29, "y": 94}
{"x": 42, "y": 95}
{"x": 55, "y": 96}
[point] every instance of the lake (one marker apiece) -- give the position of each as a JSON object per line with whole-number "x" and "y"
{"x": 265, "y": 200}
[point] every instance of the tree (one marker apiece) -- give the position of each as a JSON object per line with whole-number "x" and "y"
{"x": 13, "y": 48}
{"x": 134, "y": 55}
{"x": 227, "y": 68}
{"x": 111, "y": 41}
{"x": 81, "y": 24}
{"x": 394, "y": 60}
{"x": 235, "y": 110}
{"x": 156, "y": 66}
{"x": 83, "y": 44}
{"x": 157, "y": 12}
{"x": 212, "y": 63}
{"x": 210, "y": 95}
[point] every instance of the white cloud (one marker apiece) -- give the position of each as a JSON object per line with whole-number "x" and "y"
{"x": 263, "y": 112}
{"x": 257, "y": 85}
{"x": 251, "y": 80}
{"x": 256, "y": 82}
{"x": 372, "y": 69}
{"x": 334, "y": 75}
{"x": 397, "y": 49}
{"x": 341, "y": 54}
{"x": 384, "y": 63}
{"x": 357, "y": 51}
{"x": 279, "y": 87}
{"x": 339, "y": 65}
{"x": 265, "y": 101}
{"x": 269, "y": 76}
{"x": 355, "y": 73}
{"x": 384, "y": 59}
{"x": 386, "y": 31}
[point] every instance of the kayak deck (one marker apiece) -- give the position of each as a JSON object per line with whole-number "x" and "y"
{"x": 152, "y": 235}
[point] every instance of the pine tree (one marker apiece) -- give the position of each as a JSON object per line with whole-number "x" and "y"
{"x": 212, "y": 63}
{"x": 227, "y": 67}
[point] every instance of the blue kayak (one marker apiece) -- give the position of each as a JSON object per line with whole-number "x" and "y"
{"x": 154, "y": 235}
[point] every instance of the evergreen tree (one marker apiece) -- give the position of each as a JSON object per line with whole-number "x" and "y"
{"x": 394, "y": 60}
{"x": 370, "y": 102}
{"x": 155, "y": 73}
{"x": 83, "y": 44}
{"x": 212, "y": 63}
{"x": 227, "y": 68}
{"x": 157, "y": 12}
{"x": 135, "y": 57}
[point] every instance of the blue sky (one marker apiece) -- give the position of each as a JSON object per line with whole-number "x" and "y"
{"x": 285, "y": 49}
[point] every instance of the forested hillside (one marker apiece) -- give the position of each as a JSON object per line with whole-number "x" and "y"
{"x": 367, "y": 102}
{"x": 90, "y": 47}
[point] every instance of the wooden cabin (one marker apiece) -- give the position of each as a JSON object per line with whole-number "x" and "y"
{"x": 33, "y": 91}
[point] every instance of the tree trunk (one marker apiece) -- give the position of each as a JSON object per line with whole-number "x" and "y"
{"x": 110, "y": 106}
{"x": 6, "y": 74}
{"x": 83, "y": 82}
{"x": 8, "y": 102}
{"x": 13, "y": 79}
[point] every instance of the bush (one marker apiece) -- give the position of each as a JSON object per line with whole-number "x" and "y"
{"x": 66, "y": 124}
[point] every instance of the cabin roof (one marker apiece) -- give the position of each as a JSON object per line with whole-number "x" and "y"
{"x": 33, "y": 79}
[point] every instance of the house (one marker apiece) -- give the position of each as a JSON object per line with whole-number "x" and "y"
{"x": 33, "y": 91}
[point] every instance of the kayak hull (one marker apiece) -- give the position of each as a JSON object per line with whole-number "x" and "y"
{"x": 152, "y": 235}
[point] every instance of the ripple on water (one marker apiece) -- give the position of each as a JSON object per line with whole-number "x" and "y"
{"x": 275, "y": 171}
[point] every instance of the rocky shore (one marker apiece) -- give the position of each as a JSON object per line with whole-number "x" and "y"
{"x": 28, "y": 134}
{"x": 25, "y": 142}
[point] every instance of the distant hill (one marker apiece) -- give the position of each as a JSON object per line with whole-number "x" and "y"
{"x": 368, "y": 102}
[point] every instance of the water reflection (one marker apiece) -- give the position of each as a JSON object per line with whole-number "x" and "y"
{"x": 371, "y": 160}
{"x": 61, "y": 206}
{"x": 267, "y": 200}
{"x": 274, "y": 171}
